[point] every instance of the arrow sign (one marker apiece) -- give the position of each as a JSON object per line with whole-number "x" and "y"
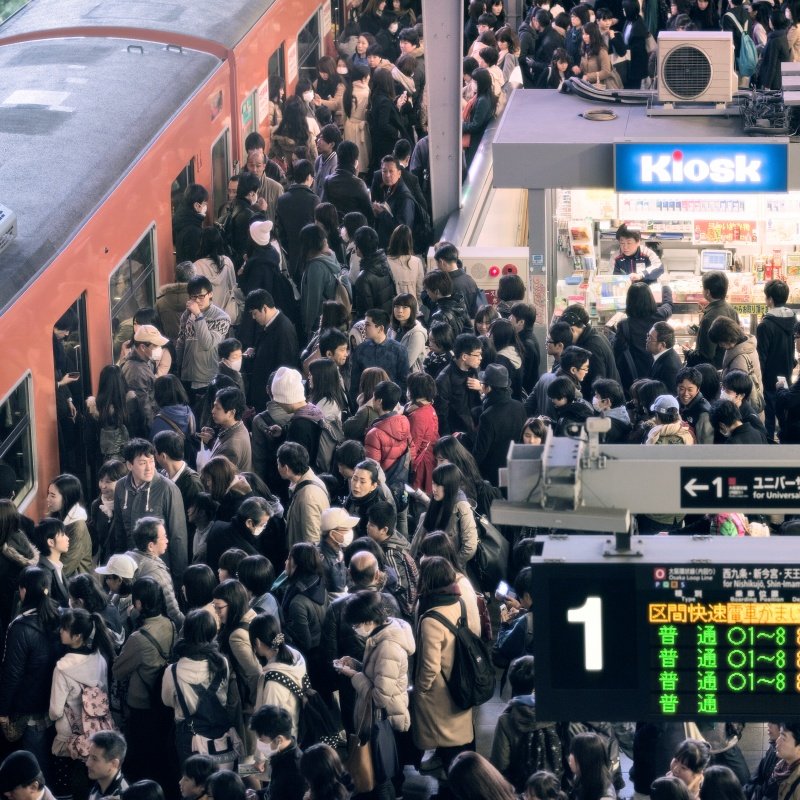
{"x": 693, "y": 487}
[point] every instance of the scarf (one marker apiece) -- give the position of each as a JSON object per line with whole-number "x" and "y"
{"x": 783, "y": 769}
{"x": 443, "y": 597}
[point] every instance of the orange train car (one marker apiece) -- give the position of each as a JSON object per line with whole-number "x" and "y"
{"x": 109, "y": 110}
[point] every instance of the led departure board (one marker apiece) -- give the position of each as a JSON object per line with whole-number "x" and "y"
{"x": 646, "y": 639}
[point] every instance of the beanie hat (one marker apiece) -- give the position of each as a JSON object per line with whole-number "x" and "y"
{"x": 260, "y": 231}
{"x": 664, "y": 404}
{"x": 287, "y": 387}
{"x": 19, "y": 769}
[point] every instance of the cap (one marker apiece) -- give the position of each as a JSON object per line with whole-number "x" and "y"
{"x": 664, "y": 403}
{"x": 260, "y": 231}
{"x": 495, "y": 375}
{"x": 18, "y": 769}
{"x": 337, "y": 518}
{"x": 287, "y": 386}
{"x": 119, "y": 564}
{"x": 149, "y": 335}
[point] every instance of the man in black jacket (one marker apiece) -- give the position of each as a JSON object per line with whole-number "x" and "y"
{"x": 273, "y": 726}
{"x": 727, "y": 420}
{"x": 402, "y": 152}
{"x": 775, "y": 341}
{"x": 344, "y": 188}
{"x": 446, "y": 304}
{"x": 395, "y": 204}
{"x": 523, "y": 318}
{"x": 499, "y": 424}
{"x": 601, "y": 364}
{"x": 458, "y": 387}
{"x": 187, "y": 224}
{"x": 296, "y": 210}
{"x": 237, "y": 228}
{"x": 660, "y": 343}
{"x": 446, "y": 257}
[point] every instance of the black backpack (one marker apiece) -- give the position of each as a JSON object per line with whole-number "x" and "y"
{"x": 532, "y": 751}
{"x": 473, "y": 678}
{"x": 210, "y": 719}
{"x": 316, "y": 720}
{"x": 397, "y": 478}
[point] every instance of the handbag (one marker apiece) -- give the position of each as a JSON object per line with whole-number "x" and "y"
{"x": 489, "y": 565}
{"x": 359, "y": 759}
{"x": 385, "y": 761}
{"x": 466, "y": 113}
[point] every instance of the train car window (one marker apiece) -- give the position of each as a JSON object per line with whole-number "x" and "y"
{"x": 220, "y": 172}
{"x": 276, "y": 63}
{"x": 132, "y": 286}
{"x": 308, "y": 49}
{"x": 185, "y": 177}
{"x": 16, "y": 438}
{"x": 9, "y": 7}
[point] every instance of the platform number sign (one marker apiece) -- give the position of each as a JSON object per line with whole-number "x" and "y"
{"x": 683, "y": 642}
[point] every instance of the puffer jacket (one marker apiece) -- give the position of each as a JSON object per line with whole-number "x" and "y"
{"x": 148, "y": 566}
{"x": 383, "y": 679}
{"x": 453, "y": 311}
{"x": 273, "y": 693}
{"x": 388, "y": 439}
{"x": 424, "y": 424}
{"x": 461, "y": 530}
{"x": 303, "y": 610}
{"x": 744, "y": 357}
{"x": 16, "y": 554}
{"x": 374, "y": 286}
{"x": 30, "y": 656}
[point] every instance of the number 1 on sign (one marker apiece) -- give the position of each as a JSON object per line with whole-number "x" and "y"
{"x": 590, "y": 615}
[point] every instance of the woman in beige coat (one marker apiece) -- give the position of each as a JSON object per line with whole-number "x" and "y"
{"x": 595, "y": 62}
{"x": 355, "y": 103}
{"x": 437, "y": 722}
{"x": 741, "y": 353}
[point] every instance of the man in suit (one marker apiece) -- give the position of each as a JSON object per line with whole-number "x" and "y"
{"x": 660, "y": 343}
{"x": 402, "y": 152}
{"x": 295, "y": 210}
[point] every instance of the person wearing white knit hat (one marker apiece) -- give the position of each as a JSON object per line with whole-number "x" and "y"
{"x": 260, "y": 232}
{"x": 287, "y": 387}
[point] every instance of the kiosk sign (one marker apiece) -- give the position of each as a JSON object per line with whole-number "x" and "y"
{"x": 700, "y": 168}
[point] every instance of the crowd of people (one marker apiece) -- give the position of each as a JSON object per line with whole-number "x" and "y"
{"x": 270, "y": 580}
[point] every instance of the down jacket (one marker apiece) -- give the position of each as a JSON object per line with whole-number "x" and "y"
{"x": 383, "y": 679}
{"x": 374, "y": 286}
{"x": 388, "y": 439}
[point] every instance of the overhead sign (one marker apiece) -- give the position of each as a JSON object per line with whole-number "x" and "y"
{"x": 700, "y": 168}
{"x": 657, "y": 641}
{"x": 739, "y": 487}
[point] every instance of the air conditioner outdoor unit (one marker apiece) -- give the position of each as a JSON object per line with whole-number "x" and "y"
{"x": 695, "y": 67}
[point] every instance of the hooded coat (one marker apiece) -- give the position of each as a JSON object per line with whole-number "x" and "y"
{"x": 388, "y": 439}
{"x": 775, "y": 345}
{"x": 273, "y": 693}
{"x": 16, "y": 554}
{"x": 744, "y": 357}
{"x": 453, "y": 311}
{"x": 304, "y": 514}
{"x": 79, "y": 556}
{"x": 190, "y": 673}
{"x": 383, "y": 679}
{"x": 696, "y": 414}
{"x": 424, "y": 424}
{"x": 148, "y": 566}
{"x": 510, "y": 358}
{"x": 374, "y": 286}
{"x": 303, "y": 610}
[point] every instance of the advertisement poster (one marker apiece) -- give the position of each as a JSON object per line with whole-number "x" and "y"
{"x": 729, "y": 230}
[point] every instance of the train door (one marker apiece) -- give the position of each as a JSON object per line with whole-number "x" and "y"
{"x": 309, "y": 48}
{"x": 220, "y": 173}
{"x": 73, "y": 386}
{"x": 184, "y": 178}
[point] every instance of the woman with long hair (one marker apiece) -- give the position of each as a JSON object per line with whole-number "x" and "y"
{"x": 355, "y": 103}
{"x": 407, "y": 269}
{"x": 107, "y": 416}
{"x": 421, "y": 392}
{"x": 64, "y": 501}
{"x": 478, "y": 113}
{"x": 588, "y": 760}
{"x": 199, "y": 582}
{"x": 221, "y": 480}
{"x": 303, "y": 607}
{"x": 385, "y": 122}
{"x": 634, "y": 34}
{"x": 439, "y": 724}
{"x": 484, "y": 317}
{"x": 31, "y": 652}
{"x": 720, "y": 783}
{"x": 449, "y": 511}
{"x": 329, "y": 88}
{"x": 88, "y": 660}
{"x": 327, "y": 390}
{"x": 509, "y": 352}
{"x": 440, "y": 348}
{"x": 140, "y": 662}
{"x": 595, "y": 61}
{"x": 406, "y": 328}
{"x": 449, "y": 450}
{"x": 508, "y": 48}
{"x": 688, "y": 764}
{"x": 325, "y": 774}
{"x": 214, "y": 264}
{"x": 293, "y": 131}
{"x": 282, "y": 664}
{"x": 174, "y": 412}
{"x": 320, "y": 272}
{"x": 543, "y": 785}
{"x": 85, "y": 593}
{"x": 472, "y": 777}
{"x": 361, "y": 421}
{"x": 325, "y": 214}
{"x": 16, "y": 553}
{"x": 199, "y": 663}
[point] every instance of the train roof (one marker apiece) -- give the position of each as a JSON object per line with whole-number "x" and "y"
{"x": 224, "y": 22}
{"x": 75, "y": 115}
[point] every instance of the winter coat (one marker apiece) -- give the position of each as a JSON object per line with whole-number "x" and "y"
{"x": 746, "y": 434}
{"x": 634, "y": 33}
{"x": 181, "y": 415}
{"x": 148, "y": 566}
{"x": 140, "y": 378}
{"x": 385, "y": 128}
{"x": 620, "y": 426}
{"x": 234, "y": 444}
{"x": 295, "y": 210}
{"x": 510, "y": 358}
{"x": 696, "y": 414}
{"x": 408, "y": 272}
{"x": 454, "y": 401}
{"x": 705, "y": 350}
{"x": 197, "y": 343}
{"x": 672, "y": 429}
{"x": 357, "y": 426}
{"x": 79, "y": 556}
{"x": 303, "y": 610}
{"x": 479, "y": 119}
{"x": 382, "y": 681}
{"x": 187, "y": 228}
{"x": 140, "y": 663}
{"x": 276, "y": 346}
{"x": 517, "y": 719}
{"x": 596, "y": 69}
{"x": 461, "y": 530}
{"x": 243, "y": 661}
{"x": 399, "y": 208}
{"x": 666, "y": 368}
{"x": 223, "y": 284}
{"x": 190, "y": 673}
{"x": 318, "y": 284}
{"x": 170, "y": 305}
{"x": 347, "y": 192}
{"x": 571, "y": 415}
{"x": 304, "y": 515}
{"x": 16, "y": 554}
{"x": 453, "y": 311}
{"x": 374, "y": 286}
{"x": 787, "y": 409}
{"x": 424, "y": 425}
{"x": 238, "y": 229}
{"x": 499, "y": 424}
{"x": 73, "y": 672}
{"x": 58, "y": 587}
{"x": 31, "y": 652}
{"x": 225, "y": 535}
{"x": 389, "y": 354}
{"x": 777, "y": 51}
{"x": 273, "y": 693}
{"x": 775, "y": 344}
{"x": 601, "y": 362}
{"x": 531, "y": 361}
{"x": 438, "y": 722}
{"x": 744, "y": 357}
{"x": 158, "y": 498}
{"x": 388, "y": 439}
{"x": 414, "y": 341}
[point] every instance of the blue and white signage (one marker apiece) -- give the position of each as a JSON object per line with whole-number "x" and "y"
{"x": 700, "y": 168}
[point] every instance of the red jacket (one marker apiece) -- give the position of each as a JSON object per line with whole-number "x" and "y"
{"x": 424, "y": 431}
{"x": 388, "y": 439}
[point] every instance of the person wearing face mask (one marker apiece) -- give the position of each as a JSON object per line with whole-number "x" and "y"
{"x": 187, "y": 223}
{"x": 609, "y": 401}
{"x": 230, "y": 361}
{"x": 273, "y": 727}
{"x": 726, "y": 418}
{"x": 337, "y": 534}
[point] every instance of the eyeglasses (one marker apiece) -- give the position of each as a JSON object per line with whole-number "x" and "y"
{"x": 583, "y": 369}
{"x": 198, "y": 296}
{"x": 220, "y": 606}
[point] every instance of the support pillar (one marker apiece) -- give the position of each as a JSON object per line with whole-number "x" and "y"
{"x": 542, "y": 268}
